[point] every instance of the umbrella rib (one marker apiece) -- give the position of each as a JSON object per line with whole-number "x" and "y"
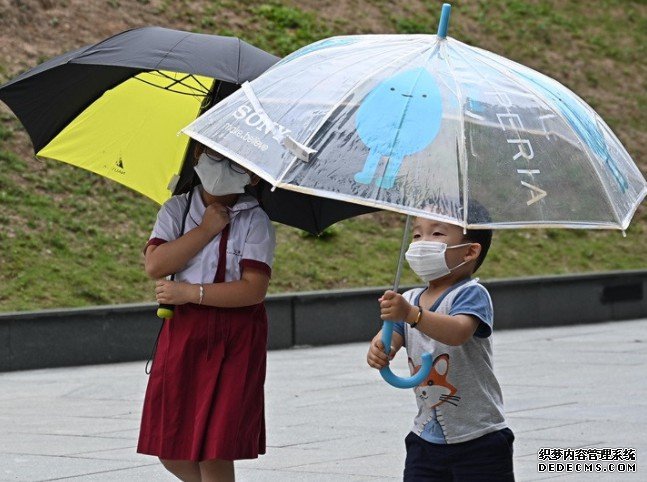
{"x": 305, "y": 69}
{"x": 240, "y": 48}
{"x": 302, "y": 70}
{"x": 354, "y": 87}
{"x": 334, "y": 108}
{"x": 494, "y": 87}
{"x": 372, "y": 203}
{"x": 181, "y": 81}
{"x": 168, "y": 52}
{"x": 503, "y": 70}
{"x": 632, "y": 210}
{"x": 173, "y": 81}
{"x": 462, "y": 157}
{"x": 197, "y": 92}
{"x": 434, "y": 50}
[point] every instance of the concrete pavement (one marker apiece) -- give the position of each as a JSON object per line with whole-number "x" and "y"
{"x": 331, "y": 418}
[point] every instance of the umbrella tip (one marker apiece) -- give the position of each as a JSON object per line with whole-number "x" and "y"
{"x": 444, "y": 20}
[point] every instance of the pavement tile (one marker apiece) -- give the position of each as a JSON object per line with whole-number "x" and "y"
{"x": 33, "y": 467}
{"x": 332, "y": 418}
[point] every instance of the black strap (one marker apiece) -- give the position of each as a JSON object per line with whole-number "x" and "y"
{"x": 148, "y": 370}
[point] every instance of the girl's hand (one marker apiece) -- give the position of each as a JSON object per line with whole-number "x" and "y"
{"x": 175, "y": 292}
{"x": 394, "y": 307}
{"x": 376, "y": 357}
{"x": 215, "y": 218}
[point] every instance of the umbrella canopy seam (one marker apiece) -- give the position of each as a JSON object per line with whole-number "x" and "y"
{"x": 503, "y": 70}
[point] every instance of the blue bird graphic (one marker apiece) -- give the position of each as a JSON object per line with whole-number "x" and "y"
{"x": 399, "y": 117}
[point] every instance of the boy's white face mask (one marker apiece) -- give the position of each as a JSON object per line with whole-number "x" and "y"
{"x": 218, "y": 179}
{"x": 427, "y": 259}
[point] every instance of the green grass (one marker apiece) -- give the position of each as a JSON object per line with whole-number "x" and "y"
{"x": 70, "y": 238}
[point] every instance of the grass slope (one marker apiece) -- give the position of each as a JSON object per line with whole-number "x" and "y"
{"x": 69, "y": 238}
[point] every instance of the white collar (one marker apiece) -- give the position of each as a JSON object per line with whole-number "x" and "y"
{"x": 196, "y": 211}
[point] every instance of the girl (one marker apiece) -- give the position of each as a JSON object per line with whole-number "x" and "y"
{"x": 204, "y": 405}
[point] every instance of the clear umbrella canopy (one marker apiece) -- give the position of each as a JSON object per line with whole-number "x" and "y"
{"x": 429, "y": 126}
{"x": 426, "y": 125}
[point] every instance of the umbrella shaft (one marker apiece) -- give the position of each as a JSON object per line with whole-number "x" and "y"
{"x": 403, "y": 248}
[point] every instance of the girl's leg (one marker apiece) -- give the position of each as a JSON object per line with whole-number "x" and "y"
{"x": 217, "y": 470}
{"x": 185, "y": 470}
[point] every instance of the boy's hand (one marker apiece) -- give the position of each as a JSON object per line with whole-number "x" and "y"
{"x": 376, "y": 357}
{"x": 174, "y": 292}
{"x": 215, "y": 218}
{"x": 393, "y": 307}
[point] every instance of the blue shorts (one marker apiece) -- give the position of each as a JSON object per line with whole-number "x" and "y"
{"x": 485, "y": 459}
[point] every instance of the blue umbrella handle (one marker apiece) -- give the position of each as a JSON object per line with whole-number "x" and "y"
{"x": 390, "y": 377}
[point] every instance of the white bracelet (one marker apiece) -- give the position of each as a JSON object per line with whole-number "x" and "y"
{"x": 201, "y": 294}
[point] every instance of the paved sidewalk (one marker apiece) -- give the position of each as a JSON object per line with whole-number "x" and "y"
{"x": 331, "y": 418}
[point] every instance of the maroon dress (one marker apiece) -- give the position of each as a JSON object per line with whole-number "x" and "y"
{"x": 205, "y": 396}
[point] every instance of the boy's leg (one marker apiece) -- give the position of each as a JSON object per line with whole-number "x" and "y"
{"x": 185, "y": 470}
{"x": 485, "y": 459}
{"x": 425, "y": 462}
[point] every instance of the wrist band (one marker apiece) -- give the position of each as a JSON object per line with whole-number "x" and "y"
{"x": 201, "y": 294}
{"x": 418, "y": 318}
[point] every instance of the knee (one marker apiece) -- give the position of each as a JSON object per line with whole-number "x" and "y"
{"x": 170, "y": 463}
{"x": 183, "y": 469}
{"x": 217, "y": 470}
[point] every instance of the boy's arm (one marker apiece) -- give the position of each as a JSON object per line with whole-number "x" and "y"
{"x": 451, "y": 330}
{"x": 376, "y": 357}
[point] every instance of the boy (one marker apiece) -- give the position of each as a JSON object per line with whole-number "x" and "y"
{"x": 460, "y": 433}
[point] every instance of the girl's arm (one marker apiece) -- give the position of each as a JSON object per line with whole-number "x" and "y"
{"x": 171, "y": 257}
{"x": 249, "y": 290}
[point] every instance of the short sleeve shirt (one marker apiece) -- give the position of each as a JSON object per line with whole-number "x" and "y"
{"x": 461, "y": 398}
{"x": 473, "y": 300}
{"x": 251, "y": 241}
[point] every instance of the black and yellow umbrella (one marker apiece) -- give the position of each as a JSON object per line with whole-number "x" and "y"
{"x": 115, "y": 108}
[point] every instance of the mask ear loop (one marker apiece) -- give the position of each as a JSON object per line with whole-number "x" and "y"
{"x": 460, "y": 264}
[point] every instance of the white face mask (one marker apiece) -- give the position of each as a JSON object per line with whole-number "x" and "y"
{"x": 427, "y": 259}
{"x": 218, "y": 178}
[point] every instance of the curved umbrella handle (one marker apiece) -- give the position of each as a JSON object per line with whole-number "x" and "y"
{"x": 390, "y": 377}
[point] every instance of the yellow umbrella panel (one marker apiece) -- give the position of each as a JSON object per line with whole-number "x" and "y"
{"x": 131, "y": 133}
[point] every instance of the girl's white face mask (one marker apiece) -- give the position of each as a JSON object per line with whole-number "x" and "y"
{"x": 218, "y": 179}
{"x": 427, "y": 259}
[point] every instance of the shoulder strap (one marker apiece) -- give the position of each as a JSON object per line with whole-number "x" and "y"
{"x": 222, "y": 256}
{"x": 184, "y": 215}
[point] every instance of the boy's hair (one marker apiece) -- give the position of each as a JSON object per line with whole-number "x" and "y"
{"x": 478, "y": 214}
{"x": 484, "y": 238}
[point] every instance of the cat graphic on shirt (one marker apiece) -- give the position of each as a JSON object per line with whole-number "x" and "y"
{"x": 435, "y": 389}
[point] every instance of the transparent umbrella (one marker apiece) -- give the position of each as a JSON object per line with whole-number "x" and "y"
{"x": 428, "y": 126}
